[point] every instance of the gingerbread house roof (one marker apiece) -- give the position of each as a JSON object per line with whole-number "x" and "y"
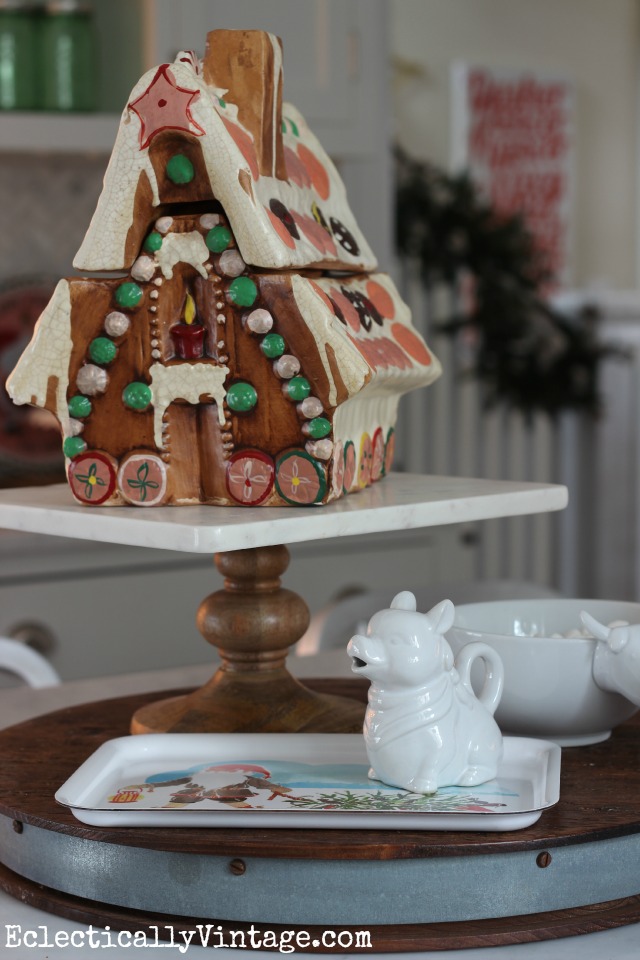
{"x": 283, "y": 196}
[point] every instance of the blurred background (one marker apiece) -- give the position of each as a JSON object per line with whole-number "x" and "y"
{"x": 490, "y": 152}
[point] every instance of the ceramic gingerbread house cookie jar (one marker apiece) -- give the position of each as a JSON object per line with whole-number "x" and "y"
{"x": 246, "y": 352}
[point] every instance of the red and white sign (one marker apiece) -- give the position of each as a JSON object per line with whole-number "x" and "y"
{"x": 513, "y": 132}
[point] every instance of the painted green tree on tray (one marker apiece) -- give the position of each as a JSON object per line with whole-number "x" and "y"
{"x": 383, "y": 800}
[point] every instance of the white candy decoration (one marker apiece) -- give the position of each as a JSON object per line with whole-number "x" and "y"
{"x": 92, "y": 380}
{"x": 320, "y": 449}
{"x": 310, "y": 407}
{"x": 163, "y": 224}
{"x": 156, "y": 354}
{"x": 154, "y": 294}
{"x": 116, "y": 324}
{"x": 259, "y": 321}
{"x": 210, "y": 220}
{"x": 286, "y": 366}
{"x": 231, "y": 263}
{"x": 143, "y": 269}
{"x": 73, "y": 428}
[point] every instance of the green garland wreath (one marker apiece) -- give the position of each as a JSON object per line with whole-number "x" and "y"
{"x": 528, "y": 354}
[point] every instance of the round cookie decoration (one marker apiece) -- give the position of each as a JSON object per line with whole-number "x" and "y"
{"x": 377, "y": 456}
{"x": 338, "y": 470}
{"x": 92, "y": 477}
{"x": 250, "y": 477}
{"x": 364, "y": 471}
{"x": 300, "y": 480}
{"x": 349, "y": 473}
{"x": 389, "y": 451}
{"x": 142, "y": 480}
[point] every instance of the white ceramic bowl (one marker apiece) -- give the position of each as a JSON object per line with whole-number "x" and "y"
{"x": 549, "y": 688}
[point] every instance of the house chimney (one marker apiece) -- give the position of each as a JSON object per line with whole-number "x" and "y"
{"x": 248, "y": 63}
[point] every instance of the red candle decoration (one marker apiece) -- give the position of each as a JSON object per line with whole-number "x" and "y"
{"x": 188, "y": 335}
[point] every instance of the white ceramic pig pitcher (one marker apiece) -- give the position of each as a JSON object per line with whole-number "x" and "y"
{"x": 616, "y": 660}
{"x": 424, "y": 727}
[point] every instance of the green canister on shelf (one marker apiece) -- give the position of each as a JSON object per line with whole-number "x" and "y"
{"x": 18, "y": 55}
{"x": 68, "y": 57}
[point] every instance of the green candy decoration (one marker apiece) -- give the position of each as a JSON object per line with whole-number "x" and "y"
{"x": 298, "y": 388}
{"x": 102, "y": 350}
{"x": 243, "y": 291}
{"x": 153, "y": 242}
{"x": 318, "y": 428}
{"x": 79, "y": 406}
{"x": 273, "y": 345}
{"x": 73, "y": 447}
{"x": 137, "y": 396}
{"x": 241, "y": 397}
{"x": 218, "y": 239}
{"x": 128, "y": 295}
{"x": 179, "y": 169}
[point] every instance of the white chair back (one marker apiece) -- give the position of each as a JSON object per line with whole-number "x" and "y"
{"x": 26, "y": 663}
{"x": 334, "y": 626}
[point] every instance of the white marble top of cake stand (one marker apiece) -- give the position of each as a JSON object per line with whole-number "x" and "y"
{"x": 399, "y": 502}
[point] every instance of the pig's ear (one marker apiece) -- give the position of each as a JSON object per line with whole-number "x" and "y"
{"x": 404, "y": 601}
{"x": 441, "y": 616}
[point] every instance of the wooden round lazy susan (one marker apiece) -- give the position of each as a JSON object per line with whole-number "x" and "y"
{"x": 574, "y": 871}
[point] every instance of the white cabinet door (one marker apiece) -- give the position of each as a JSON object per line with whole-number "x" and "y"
{"x": 331, "y": 54}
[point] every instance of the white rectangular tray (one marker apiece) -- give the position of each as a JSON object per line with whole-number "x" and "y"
{"x": 294, "y": 780}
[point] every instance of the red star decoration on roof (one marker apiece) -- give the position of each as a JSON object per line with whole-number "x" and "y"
{"x": 165, "y": 106}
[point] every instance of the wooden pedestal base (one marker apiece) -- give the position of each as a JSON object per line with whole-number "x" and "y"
{"x": 253, "y": 622}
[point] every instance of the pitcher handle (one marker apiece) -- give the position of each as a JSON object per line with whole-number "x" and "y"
{"x": 493, "y": 685}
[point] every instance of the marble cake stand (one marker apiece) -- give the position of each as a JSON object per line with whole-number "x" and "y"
{"x": 253, "y": 621}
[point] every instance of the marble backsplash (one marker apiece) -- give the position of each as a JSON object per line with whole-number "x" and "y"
{"x": 46, "y": 203}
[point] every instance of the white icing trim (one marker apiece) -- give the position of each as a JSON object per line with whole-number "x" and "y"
{"x": 277, "y": 81}
{"x": 182, "y": 248}
{"x": 185, "y": 381}
{"x": 104, "y": 244}
{"x": 46, "y": 356}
